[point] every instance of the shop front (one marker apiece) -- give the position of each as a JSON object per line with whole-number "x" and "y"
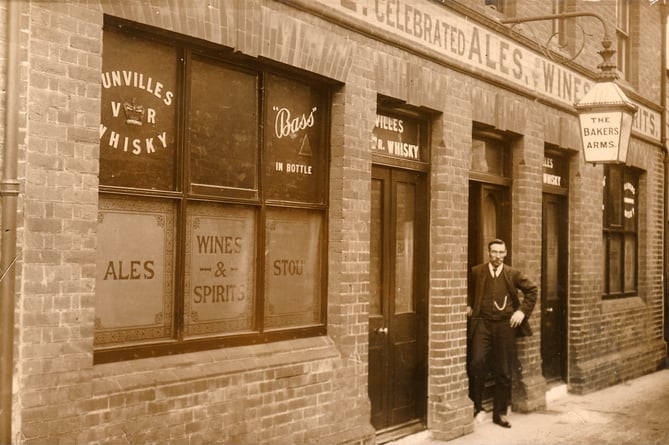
{"x": 253, "y": 222}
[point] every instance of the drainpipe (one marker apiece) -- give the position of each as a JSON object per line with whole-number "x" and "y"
{"x": 664, "y": 12}
{"x": 9, "y": 191}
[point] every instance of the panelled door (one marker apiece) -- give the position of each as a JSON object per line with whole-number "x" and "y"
{"x": 398, "y": 298}
{"x": 554, "y": 288}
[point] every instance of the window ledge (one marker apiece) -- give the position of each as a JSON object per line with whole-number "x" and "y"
{"x": 156, "y": 371}
{"x": 623, "y": 304}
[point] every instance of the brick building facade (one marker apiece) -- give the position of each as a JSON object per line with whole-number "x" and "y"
{"x": 252, "y": 221}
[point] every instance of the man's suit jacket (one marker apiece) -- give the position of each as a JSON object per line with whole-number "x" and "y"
{"x": 515, "y": 281}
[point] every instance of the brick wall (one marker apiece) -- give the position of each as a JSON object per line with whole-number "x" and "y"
{"x": 304, "y": 391}
{"x": 310, "y": 390}
{"x": 614, "y": 340}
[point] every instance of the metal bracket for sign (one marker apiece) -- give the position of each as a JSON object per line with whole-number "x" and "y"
{"x": 607, "y": 67}
{"x": 605, "y": 113}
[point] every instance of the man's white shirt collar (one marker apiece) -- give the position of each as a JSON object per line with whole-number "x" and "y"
{"x": 495, "y": 273}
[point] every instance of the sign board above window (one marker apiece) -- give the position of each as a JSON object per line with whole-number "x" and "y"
{"x": 399, "y": 137}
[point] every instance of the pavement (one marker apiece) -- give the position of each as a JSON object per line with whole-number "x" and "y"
{"x": 634, "y": 412}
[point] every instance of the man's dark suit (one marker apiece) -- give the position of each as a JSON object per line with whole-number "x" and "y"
{"x": 496, "y": 337}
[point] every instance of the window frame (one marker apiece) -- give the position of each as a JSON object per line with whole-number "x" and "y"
{"x": 184, "y": 193}
{"x": 623, "y": 37}
{"x": 614, "y": 227}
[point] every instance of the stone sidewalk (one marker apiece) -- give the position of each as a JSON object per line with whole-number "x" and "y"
{"x": 635, "y": 412}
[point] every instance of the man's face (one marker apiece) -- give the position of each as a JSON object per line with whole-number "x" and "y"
{"x": 497, "y": 253}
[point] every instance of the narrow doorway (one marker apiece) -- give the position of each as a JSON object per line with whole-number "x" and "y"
{"x": 398, "y": 302}
{"x": 554, "y": 288}
{"x": 489, "y": 218}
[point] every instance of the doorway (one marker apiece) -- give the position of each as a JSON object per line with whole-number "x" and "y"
{"x": 398, "y": 301}
{"x": 489, "y": 218}
{"x": 554, "y": 288}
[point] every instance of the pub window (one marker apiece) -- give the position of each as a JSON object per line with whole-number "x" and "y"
{"x": 212, "y": 214}
{"x": 621, "y": 243}
{"x": 623, "y": 36}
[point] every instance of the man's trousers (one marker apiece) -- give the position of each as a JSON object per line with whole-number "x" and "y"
{"x": 493, "y": 348}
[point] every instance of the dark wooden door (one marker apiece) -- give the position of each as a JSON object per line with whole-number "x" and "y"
{"x": 554, "y": 287}
{"x": 398, "y": 295}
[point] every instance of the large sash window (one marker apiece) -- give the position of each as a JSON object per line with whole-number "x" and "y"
{"x": 212, "y": 216}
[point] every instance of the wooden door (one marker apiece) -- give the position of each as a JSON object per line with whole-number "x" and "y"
{"x": 554, "y": 288}
{"x": 398, "y": 298}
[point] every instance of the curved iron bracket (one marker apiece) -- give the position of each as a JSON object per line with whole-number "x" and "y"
{"x": 607, "y": 67}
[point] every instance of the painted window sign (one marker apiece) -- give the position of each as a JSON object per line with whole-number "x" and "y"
{"x": 554, "y": 171}
{"x": 134, "y": 271}
{"x": 293, "y": 268}
{"x": 220, "y": 260}
{"x": 397, "y": 137}
{"x": 295, "y": 164}
{"x": 138, "y": 113}
{"x": 629, "y": 201}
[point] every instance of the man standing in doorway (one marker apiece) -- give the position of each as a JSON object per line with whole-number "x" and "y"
{"x": 497, "y": 316}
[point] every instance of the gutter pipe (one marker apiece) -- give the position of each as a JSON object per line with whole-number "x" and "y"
{"x": 664, "y": 12}
{"x": 9, "y": 191}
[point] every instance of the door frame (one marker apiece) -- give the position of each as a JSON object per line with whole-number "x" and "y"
{"x": 421, "y": 296}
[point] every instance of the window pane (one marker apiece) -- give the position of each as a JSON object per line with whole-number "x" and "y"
{"x": 404, "y": 242}
{"x": 615, "y": 259}
{"x": 137, "y": 130}
{"x": 613, "y": 198}
{"x": 488, "y": 157}
{"x": 292, "y": 268}
{"x": 622, "y": 15}
{"x": 135, "y": 271}
{"x": 219, "y": 284}
{"x": 630, "y": 263}
{"x": 295, "y": 152}
{"x": 489, "y": 217}
{"x": 222, "y": 126}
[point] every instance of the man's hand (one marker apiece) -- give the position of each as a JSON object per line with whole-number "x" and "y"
{"x": 469, "y": 311}
{"x": 517, "y": 319}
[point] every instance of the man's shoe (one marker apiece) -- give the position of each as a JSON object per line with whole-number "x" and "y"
{"x": 501, "y": 421}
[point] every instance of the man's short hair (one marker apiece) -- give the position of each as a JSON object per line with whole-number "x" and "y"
{"x": 496, "y": 241}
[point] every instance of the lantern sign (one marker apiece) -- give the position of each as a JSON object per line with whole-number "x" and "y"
{"x": 605, "y": 117}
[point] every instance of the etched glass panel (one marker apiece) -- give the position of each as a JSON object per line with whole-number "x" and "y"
{"x": 219, "y": 284}
{"x": 135, "y": 271}
{"x": 292, "y": 268}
